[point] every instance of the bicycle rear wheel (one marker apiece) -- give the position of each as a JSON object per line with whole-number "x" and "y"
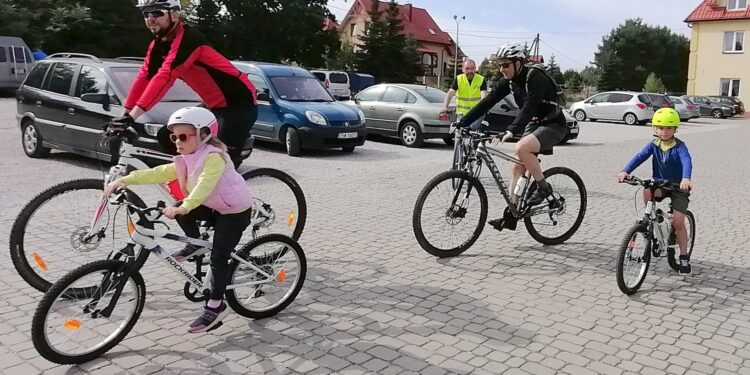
{"x": 72, "y": 324}
{"x": 445, "y": 222}
{"x": 633, "y": 259}
{"x": 48, "y": 237}
{"x": 280, "y": 195}
{"x": 672, "y": 255}
{"x": 554, "y": 222}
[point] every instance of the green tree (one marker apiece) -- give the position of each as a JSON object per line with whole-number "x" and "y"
{"x": 572, "y": 80}
{"x": 590, "y": 76}
{"x": 654, "y": 84}
{"x": 638, "y": 49}
{"x": 342, "y": 59}
{"x": 554, "y": 70}
{"x": 386, "y": 52}
{"x": 609, "y": 78}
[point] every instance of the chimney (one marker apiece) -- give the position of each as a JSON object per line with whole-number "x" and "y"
{"x": 712, "y": 3}
{"x": 408, "y": 11}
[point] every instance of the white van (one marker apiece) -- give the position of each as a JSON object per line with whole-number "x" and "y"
{"x": 337, "y": 83}
{"x": 15, "y": 61}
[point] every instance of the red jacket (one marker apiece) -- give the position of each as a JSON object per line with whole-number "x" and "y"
{"x": 188, "y": 56}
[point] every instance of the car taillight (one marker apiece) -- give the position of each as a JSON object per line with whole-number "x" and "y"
{"x": 328, "y": 83}
{"x": 665, "y": 105}
{"x": 640, "y": 105}
{"x": 691, "y": 107}
{"x": 444, "y": 116}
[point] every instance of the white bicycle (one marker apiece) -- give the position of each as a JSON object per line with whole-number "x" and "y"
{"x": 92, "y": 308}
{"x": 57, "y": 232}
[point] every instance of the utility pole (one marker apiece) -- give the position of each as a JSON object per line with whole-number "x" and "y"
{"x": 455, "y": 66}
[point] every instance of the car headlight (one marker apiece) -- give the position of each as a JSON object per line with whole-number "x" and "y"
{"x": 316, "y": 118}
{"x": 152, "y": 129}
{"x": 362, "y": 119}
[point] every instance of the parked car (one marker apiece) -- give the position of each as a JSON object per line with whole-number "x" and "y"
{"x": 337, "y": 83}
{"x": 631, "y": 107}
{"x": 359, "y": 81}
{"x": 296, "y": 110}
{"x": 502, "y": 114}
{"x": 658, "y": 101}
{"x": 67, "y": 97}
{"x": 410, "y": 112}
{"x": 709, "y": 107}
{"x": 685, "y": 108}
{"x": 15, "y": 61}
{"x": 732, "y": 101}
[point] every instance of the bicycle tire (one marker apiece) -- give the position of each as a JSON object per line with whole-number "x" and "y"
{"x": 301, "y": 215}
{"x": 38, "y": 323}
{"x": 581, "y": 212}
{"x": 419, "y": 205}
{"x": 244, "y": 253}
{"x": 19, "y": 230}
{"x": 671, "y": 255}
{"x": 637, "y": 228}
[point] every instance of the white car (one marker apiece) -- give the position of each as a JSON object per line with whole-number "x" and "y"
{"x": 336, "y": 82}
{"x": 631, "y": 107}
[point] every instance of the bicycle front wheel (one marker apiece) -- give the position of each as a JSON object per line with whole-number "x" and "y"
{"x": 49, "y": 236}
{"x": 446, "y": 219}
{"x": 75, "y": 322}
{"x": 672, "y": 255}
{"x": 268, "y": 279}
{"x": 282, "y": 201}
{"x": 633, "y": 259}
{"x": 555, "y": 221}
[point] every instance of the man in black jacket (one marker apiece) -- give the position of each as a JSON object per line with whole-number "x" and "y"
{"x": 541, "y": 121}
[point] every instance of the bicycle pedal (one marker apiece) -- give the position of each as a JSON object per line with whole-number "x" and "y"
{"x": 219, "y": 324}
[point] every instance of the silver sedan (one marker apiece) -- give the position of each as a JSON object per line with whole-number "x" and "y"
{"x": 410, "y": 112}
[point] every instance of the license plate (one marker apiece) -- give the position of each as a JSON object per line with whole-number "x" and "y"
{"x": 574, "y": 130}
{"x": 347, "y": 135}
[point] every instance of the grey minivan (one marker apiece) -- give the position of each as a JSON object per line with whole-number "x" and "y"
{"x": 15, "y": 62}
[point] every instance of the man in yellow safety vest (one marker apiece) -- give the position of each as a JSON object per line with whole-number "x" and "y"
{"x": 468, "y": 88}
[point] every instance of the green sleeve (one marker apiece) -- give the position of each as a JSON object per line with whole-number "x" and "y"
{"x": 157, "y": 175}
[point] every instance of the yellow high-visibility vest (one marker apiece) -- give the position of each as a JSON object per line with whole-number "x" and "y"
{"x": 468, "y": 95}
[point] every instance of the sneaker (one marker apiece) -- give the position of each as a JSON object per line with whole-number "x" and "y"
{"x": 685, "y": 264}
{"x": 209, "y": 318}
{"x": 539, "y": 195}
{"x": 185, "y": 253}
{"x": 508, "y": 221}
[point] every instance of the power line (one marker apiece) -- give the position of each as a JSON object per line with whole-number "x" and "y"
{"x": 562, "y": 54}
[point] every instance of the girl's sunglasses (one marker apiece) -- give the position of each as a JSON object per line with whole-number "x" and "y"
{"x": 155, "y": 13}
{"x": 180, "y": 137}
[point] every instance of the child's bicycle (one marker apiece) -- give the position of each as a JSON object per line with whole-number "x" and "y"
{"x": 65, "y": 226}
{"x": 91, "y": 309}
{"x": 446, "y": 224}
{"x": 652, "y": 235}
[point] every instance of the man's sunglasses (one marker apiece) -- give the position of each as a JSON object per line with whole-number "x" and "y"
{"x": 181, "y": 137}
{"x": 154, "y": 13}
{"x": 506, "y": 65}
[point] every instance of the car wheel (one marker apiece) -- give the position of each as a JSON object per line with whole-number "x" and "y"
{"x": 716, "y": 113}
{"x": 348, "y": 148}
{"x": 630, "y": 119}
{"x": 411, "y": 135}
{"x": 293, "y": 147}
{"x": 32, "y": 141}
{"x": 580, "y": 115}
{"x": 448, "y": 141}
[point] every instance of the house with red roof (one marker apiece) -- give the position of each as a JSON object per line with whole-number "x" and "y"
{"x": 719, "y": 61}
{"x": 436, "y": 47}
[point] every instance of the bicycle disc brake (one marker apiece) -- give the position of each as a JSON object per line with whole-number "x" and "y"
{"x": 82, "y": 241}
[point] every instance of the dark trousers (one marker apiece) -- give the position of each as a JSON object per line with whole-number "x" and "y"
{"x": 234, "y": 129}
{"x": 228, "y": 230}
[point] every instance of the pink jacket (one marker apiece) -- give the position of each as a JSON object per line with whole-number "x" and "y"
{"x": 231, "y": 194}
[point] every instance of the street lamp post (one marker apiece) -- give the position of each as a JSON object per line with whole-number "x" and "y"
{"x": 455, "y": 65}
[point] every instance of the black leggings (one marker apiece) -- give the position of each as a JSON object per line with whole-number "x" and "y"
{"x": 228, "y": 230}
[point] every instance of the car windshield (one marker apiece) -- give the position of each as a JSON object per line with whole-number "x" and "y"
{"x": 300, "y": 89}
{"x": 432, "y": 95}
{"x": 180, "y": 92}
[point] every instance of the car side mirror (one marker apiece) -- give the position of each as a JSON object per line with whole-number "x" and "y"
{"x": 356, "y": 99}
{"x": 102, "y": 99}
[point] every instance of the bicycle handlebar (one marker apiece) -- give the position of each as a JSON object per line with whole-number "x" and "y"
{"x": 648, "y": 183}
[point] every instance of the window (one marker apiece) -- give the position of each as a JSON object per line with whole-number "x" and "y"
{"x": 432, "y": 95}
{"x": 371, "y": 94}
{"x": 601, "y": 98}
{"x": 180, "y": 91}
{"x": 36, "y": 76}
{"x": 20, "y": 55}
{"x": 339, "y": 78}
{"x": 61, "y": 77}
{"x": 395, "y": 95}
{"x": 300, "y": 89}
{"x": 262, "y": 88}
{"x": 644, "y": 99}
{"x": 320, "y": 76}
{"x": 730, "y": 87}
{"x": 3, "y": 57}
{"x": 91, "y": 81}
{"x": 351, "y": 29}
{"x": 734, "y": 41}
{"x": 736, "y": 4}
{"x": 411, "y": 99}
{"x": 676, "y": 100}
{"x": 620, "y": 98}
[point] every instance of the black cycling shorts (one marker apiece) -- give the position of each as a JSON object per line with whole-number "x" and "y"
{"x": 549, "y": 134}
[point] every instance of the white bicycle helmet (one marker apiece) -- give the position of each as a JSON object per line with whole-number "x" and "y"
{"x": 165, "y": 4}
{"x": 512, "y": 51}
{"x": 199, "y": 118}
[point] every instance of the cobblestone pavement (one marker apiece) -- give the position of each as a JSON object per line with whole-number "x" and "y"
{"x": 375, "y": 302}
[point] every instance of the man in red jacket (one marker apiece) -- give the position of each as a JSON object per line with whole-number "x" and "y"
{"x": 179, "y": 51}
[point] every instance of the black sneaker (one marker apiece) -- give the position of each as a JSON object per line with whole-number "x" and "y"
{"x": 539, "y": 195}
{"x": 508, "y": 221}
{"x": 185, "y": 253}
{"x": 209, "y": 318}
{"x": 685, "y": 264}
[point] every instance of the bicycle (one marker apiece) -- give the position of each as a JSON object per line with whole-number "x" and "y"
{"x": 91, "y": 309}
{"x": 652, "y": 235}
{"x": 46, "y": 262}
{"x": 465, "y": 186}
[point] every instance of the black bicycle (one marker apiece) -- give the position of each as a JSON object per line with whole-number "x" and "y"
{"x": 446, "y": 224}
